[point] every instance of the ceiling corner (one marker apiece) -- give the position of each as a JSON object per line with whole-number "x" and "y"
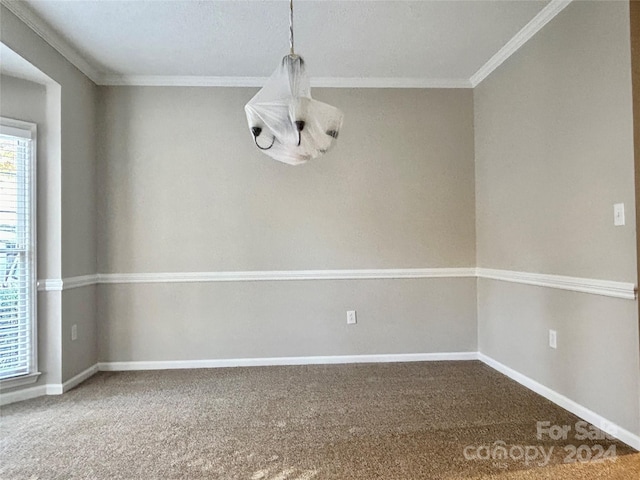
{"x": 43, "y": 30}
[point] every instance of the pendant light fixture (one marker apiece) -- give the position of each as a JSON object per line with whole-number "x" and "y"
{"x": 285, "y": 122}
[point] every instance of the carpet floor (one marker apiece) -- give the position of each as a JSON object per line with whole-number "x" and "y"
{"x": 432, "y": 420}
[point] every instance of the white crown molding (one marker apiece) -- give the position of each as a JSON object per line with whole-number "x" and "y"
{"x": 279, "y": 361}
{"x": 590, "y": 416}
{"x": 180, "y": 81}
{"x": 319, "y": 82}
{"x": 389, "y": 82}
{"x": 21, "y": 10}
{"x": 519, "y": 39}
{"x": 575, "y": 284}
{"x": 49, "y": 35}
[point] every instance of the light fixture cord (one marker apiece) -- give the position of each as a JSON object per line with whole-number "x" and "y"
{"x": 292, "y": 52}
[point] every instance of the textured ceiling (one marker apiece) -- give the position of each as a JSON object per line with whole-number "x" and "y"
{"x": 429, "y": 40}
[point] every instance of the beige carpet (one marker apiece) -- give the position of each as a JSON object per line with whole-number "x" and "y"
{"x": 375, "y": 421}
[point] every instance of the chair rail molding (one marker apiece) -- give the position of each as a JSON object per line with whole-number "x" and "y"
{"x": 608, "y": 288}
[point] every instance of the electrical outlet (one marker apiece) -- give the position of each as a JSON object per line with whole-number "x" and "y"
{"x": 553, "y": 339}
{"x": 351, "y": 317}
{"x": 74, "y": 332}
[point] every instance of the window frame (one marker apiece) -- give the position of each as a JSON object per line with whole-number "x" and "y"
{"x": 28, "y": 130}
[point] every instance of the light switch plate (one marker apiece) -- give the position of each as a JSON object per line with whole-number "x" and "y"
{"x": 618, "y": 214}
{"x": 351, "y": 317}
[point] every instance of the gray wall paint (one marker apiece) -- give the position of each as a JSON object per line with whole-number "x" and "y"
{"x": 79, "y": 199}
{"x": 79, "y": 307}
{"x": 72, "y": 121}
{"x": 596, "y": 362}
{"x": 286, "y": 318}
{"x": 184, "y": 189}
{"x": 554, "y": 152}
{"x": 24, "y": 100}
{"x": 78, "y": 100}
{"x": 27, "y": 101}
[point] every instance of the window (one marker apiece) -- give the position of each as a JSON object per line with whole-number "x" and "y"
{"x": 17, "y": 252}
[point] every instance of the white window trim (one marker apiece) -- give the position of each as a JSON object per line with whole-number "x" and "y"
{"x": 12, "y": 382}
{"x": 20, "y": 128}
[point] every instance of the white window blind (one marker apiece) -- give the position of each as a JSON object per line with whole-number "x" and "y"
{"x": 17, "y": 249}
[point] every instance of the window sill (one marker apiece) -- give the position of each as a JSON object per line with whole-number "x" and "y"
{"x": 19, "y": 381}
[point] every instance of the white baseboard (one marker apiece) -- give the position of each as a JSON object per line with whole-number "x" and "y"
{"x": 79, "y": 378}
{"x": 590, "y": 416}
{"x": 60, "y": 388}
{"x": 48, "y": 389}
{"x": 23, "y": 394}
{"x": 274, "y": 361}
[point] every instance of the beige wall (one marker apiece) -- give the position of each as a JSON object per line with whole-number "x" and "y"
{"x": 77, "y": 118}
{"x": 24, "y": 100}
{"x": 27, "y": 101}
{"x": 554, "y": 152}
{"x": 79, "y": 307}
{"x": 285, "y": 319}
{"x": 184, "y": 189}
{"x": 79, "y": 245}
{"x": 71, "y": 200}
{"x": 596, "y": 362}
